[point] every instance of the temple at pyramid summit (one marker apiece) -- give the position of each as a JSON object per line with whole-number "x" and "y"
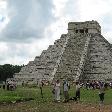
{"x": 81, "y": 54}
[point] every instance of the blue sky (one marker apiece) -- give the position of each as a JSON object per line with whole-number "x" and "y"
{"x": 29, "y": 26}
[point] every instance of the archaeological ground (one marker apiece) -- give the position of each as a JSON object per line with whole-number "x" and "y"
{"x": 89, "y": 101}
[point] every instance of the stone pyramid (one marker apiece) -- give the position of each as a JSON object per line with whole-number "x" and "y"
{"x": 81, "y": 54}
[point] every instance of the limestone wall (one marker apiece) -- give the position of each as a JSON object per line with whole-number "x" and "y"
{"x": 43, "y": 65}
{"x": 99, "y": 60}
{"x": 87, "y": 26}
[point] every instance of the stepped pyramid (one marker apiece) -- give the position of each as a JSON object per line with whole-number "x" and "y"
{"x": 81, "y": 54}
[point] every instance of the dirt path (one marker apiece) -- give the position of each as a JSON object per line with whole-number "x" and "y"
{"x": 70, "y": 107}
{"x": 90, "y": 108}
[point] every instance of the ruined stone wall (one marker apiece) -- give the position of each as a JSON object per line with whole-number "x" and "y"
{"x": 43, "y": 65}
{"x": 86, "y": 27}
{"x": 98, "y": 64}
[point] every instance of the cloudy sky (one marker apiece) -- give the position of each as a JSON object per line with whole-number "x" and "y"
{"x": 29, "y": 26}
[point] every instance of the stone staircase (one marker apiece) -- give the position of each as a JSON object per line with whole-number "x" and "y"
{"x": 73, "y": 57}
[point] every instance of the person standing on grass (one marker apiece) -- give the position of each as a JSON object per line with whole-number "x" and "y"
{"x": 78, "y": 91}
{"x": 57, "y": 91}
{"x": 53, "y": 89}
{"x": 66, "y": 87}
{"x": 41, "y": 84}
{"x": 101, "y": 92}
{"x": 4, "y": 85}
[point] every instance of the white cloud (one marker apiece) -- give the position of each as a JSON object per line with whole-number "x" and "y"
{"x": 3, "y": 15}
{"x": 28, "y": 19}
{"x": 59, "y": 7}
{"x": 2, "y": 4}
{"x": 41, "y": 22}
{"x": 93, "y": 9}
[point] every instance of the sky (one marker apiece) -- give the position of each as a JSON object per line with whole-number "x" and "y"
{"x": 29, "y": 26}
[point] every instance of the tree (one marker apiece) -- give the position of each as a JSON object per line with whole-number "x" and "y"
{"x": 8, "y": 70}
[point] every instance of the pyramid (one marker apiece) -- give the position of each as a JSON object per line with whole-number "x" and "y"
{"x": 81, "y": 54}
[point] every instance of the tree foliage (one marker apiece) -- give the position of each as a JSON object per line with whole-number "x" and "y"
{"x": 8, "y": 70}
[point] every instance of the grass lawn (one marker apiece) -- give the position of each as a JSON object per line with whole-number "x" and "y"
{"x": 46, "y": 104}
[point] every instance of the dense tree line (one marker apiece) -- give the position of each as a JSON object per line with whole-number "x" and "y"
{"x": 8, "y": 70}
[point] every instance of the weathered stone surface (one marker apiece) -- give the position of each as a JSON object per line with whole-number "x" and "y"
{"x": 99, "y": 59}
{"x": 83, "y": 53}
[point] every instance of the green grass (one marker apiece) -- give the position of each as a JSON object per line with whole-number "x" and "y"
{"x": 46, "y": 104}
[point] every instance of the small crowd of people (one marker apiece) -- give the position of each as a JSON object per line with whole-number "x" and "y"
{"x": 95, "y": 84}
{"x": 56, "y": 89}
{"x": 9, "y": 85}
